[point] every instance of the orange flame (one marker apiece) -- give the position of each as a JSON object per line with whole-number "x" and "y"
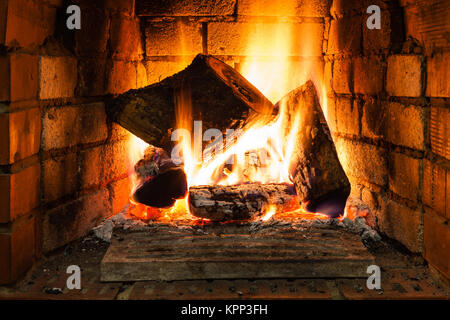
{"x": 262, "y": 152}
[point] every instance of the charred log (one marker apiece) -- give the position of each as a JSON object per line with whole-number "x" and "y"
{"x": 162, "y": 182}
{"x": 211, "y": 90}
{"x": 238, "y": 202}
{"x": 320, "y": 182}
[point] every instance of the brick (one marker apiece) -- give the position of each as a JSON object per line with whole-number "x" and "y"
{"x": 159, "y": 70}
{"x": 141, "y": 74}
{"x": 282, "y": 8}
{"x": 54, "y": 3}
{"x": 342, "y": 76}
{"x": 402, "y": 224}
{"x": 347, "y": 115}
{"x": 91, "y": 77}
{"x": 17, "y": 251}
{"x": 119, "y": 133}
{"x": 435, "y": 191}
{"x": 19, "y": 135}
{"x": 59, "y": 177}
{"x": 404, "y": 76}
{"x": 370, "y": 199}
{"x": 91, "y": 167}
{"x": 236, "y": 38}
{"x": 329, "y": 110}
{"x": 24, "y": 77}
{"x": 185, "y": 8}
{"x": 373, "y": 118}
{"x": 3, "y": 13}
{"x": 427, "y": 21}
{"x": 18, "y": 77}
{"x": 313, "y": 8}
{"x": 126, "y": 37}
{"x": 440, "y": 131}
{"x": 404, "y": 176}
{"x": 120, "y": 194}
{"x": 345, "y": 35}
{"x": 328, "y": 76}
{"x": 74, "y": 219}
{"x": 4, "y": 78}
{"x": 368, "y": 75}
{"x": 58, "y": 77}
{"x": 436, "y": 242}
{"x": 173, "y": 38}
{"x": 377, "y": 40}
{"x": 21, "y": 193}
{"x": 363, "y": 161}
{"x": 92, "y": 39}
{"x": 405, "y": 125}
{"x": 447, "y": 196}
{"x": 120, "y": 6}
{"x": 29, "y": 23}
{"x": 72, "y": 125}
{"x": 101, "y": 165}
{"x": 121, "y": 76}
{"x": 284, "y": 76}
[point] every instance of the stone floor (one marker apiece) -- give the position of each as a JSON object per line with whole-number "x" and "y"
{"x": 404, "y": 276}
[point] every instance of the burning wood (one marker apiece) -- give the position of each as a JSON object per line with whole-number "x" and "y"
{"x": 295, "y": 145}
{"x": 239, "y": 202}
{"x": 215, "y": 92}
{"x": 320, "y": 181}
{"x": 161, "y": 182}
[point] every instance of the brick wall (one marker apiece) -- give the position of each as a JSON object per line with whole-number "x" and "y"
{"x": 63, "y": 165}
{"x": 390, "y": 106}
{"x": 178, "y": 30}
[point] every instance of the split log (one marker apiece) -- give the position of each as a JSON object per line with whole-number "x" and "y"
{"x": 237, "y": 202}
{"x": 211, "y": 90}
{"x": 162, "y": 182}
{"x": 320, "y": 182}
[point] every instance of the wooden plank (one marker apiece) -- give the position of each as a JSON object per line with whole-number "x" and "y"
{"x": 234, "y": 251}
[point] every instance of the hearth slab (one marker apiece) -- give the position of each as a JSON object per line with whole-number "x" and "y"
{"x": 231, "y": 251}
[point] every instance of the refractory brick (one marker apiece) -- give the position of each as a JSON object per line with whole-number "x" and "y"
{"x": 404, "y": 76}
{"x": 71, "y": 125}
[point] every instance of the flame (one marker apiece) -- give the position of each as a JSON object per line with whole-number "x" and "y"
{"x": 136, "y": 151}
{"x": 271, "y": 210}
{"x": 262, "y": 151}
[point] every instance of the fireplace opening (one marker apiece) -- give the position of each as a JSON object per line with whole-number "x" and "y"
{"x": 249, "y": 133}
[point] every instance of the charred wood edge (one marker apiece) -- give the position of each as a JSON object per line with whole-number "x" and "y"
{"x": 149, "y": 112}
{"x": 317, "y": 172}
{"x": 164, "y": 189}
{"x": 237, "y": 202}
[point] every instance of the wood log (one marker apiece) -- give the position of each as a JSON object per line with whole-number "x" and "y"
{"x": 320, "y": 182}
{"x": 162, "y": 182}
{"x": 237, "y": 202}
{"x": 213, "y": 91}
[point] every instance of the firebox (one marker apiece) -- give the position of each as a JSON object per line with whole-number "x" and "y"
{"x": 247, "y": 132}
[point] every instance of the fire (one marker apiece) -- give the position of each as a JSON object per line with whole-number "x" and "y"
{"x": 262, "y": 151}
{"x": 270, "y": 212}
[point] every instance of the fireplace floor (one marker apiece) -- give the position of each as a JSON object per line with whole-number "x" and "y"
{"x": 258, "y": 250}
{"x": 404, "y": 276}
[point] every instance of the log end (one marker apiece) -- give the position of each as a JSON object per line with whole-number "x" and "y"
{"x": 163, "y": 190}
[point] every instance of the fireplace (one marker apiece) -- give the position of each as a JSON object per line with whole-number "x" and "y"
{"x": 65, "y": 163}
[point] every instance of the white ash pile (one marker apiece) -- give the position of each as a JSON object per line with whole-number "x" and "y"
{"x": 121, "y": 220}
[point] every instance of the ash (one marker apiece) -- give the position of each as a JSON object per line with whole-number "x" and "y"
{"x": 127, "y": 222}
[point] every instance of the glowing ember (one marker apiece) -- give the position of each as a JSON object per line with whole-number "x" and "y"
{"x": 270, "y": 212}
